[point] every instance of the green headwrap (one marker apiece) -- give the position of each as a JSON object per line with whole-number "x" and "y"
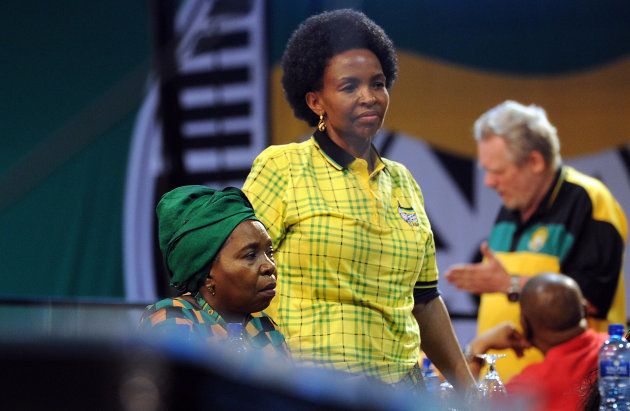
{"x": 193, "y": 223}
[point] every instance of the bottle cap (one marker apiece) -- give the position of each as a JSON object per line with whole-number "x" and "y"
{"x": 615, "y": 329}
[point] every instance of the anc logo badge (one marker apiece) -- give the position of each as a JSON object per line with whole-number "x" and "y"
{"x": 409, "y": 215}
{"x": 538, "y": 239}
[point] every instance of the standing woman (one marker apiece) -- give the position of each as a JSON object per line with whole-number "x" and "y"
{"x": 357, "y": 277}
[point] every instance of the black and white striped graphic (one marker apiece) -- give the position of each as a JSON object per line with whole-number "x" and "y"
{"x": 203, "y": 120}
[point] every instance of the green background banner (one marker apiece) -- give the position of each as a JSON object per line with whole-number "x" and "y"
{"x": 72, "y": 81}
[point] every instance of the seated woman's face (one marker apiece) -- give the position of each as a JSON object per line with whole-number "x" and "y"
{"x": 244, "y": 271}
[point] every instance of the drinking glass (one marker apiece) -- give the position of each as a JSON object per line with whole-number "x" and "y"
{"x": 490, "y": 386}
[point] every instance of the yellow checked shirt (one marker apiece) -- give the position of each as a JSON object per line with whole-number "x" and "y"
{"x": 350, "y": 248}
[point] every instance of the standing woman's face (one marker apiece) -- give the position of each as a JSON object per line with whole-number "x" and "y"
{"x": 353, "y": 95}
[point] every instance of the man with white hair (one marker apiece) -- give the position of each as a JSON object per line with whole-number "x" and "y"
{"x": 553, "y": 219}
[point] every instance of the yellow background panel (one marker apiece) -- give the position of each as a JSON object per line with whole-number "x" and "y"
{"x": 439, "y": 102}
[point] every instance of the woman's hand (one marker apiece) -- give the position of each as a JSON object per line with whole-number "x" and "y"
{"x": 439, "y": 343}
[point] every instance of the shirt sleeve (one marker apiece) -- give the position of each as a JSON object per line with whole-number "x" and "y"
{"x": 265, "y": 188}
{"x": 595, "y": 261}
{"x": 168, "y": 322}
{"x": 425, "y": 288}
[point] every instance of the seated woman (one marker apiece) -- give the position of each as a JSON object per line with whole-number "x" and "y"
{"x": 220, "y": 257}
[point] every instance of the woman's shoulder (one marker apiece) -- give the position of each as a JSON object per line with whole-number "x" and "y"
{"x": 166, "y": 312}
{"x": 265, "y": 320}
{"x": 175, "y": 302}
{"x": 283, "y": 150}
{"x": 264, "y": 315}
{"x": 168, "y": 308}
{"x": 180, "y": 311}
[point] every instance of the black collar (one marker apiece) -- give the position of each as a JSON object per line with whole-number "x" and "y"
{"x": 336, "y": 153}
{"x": 332, "y": 150}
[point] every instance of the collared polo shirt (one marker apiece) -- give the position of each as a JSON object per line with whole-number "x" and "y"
{"x": 579, "y": 230}
{"x": 351, "y": 248}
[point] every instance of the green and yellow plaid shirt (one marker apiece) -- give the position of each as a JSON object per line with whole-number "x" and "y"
{"x": 350, "y": 248}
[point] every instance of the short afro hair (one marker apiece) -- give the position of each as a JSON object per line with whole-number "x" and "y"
{"x": 317, "y": 40}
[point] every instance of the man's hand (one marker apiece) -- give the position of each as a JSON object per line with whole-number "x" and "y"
{"x": 502, "y": 336}
{"x": 488, "y": 276}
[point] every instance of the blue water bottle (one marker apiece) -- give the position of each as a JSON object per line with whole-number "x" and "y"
{"x": 614, "y": 371}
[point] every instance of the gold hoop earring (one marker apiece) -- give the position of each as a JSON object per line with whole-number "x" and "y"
{"x": 321, "y": 126}
{"x": 212, "y": 289}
